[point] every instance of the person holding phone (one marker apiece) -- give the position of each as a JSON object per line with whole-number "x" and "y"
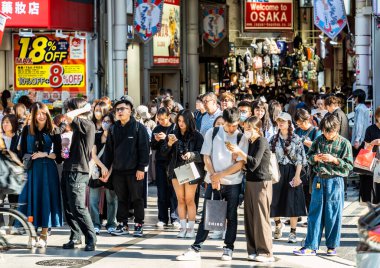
{"x": 331, "y": 158}
{"x": 166, "y": 198}
{"x": 288, "y": 197}
{"x": 184, "y": 146}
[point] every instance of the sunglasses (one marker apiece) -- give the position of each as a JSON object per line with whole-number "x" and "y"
{"x": 121, "y": 109}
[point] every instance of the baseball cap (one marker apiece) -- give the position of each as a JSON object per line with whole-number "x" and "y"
{"x": 284, "y": 116}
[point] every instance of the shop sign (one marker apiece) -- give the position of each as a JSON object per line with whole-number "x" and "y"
{"x": 268, "y": 15}
{"x": 147, "y": 18}
{"x": 51, "y": 68}
{"x": 26, "y": 13}
{"x": 167, "y": 43}
{"x": 3, "y": 21}
{"x": 330, "y": 16}
{"x": 214, "y": 23}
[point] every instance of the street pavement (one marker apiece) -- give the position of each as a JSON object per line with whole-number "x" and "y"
{"x": 159, "y": 247}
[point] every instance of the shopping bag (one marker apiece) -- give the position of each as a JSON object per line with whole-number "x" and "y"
{"x": 376, "y": 172}
{"x": 365, "y": 160}
{"x": 274, "y": 169}
{"x": 187, "y": 173}
{"x": 215, "y": 214}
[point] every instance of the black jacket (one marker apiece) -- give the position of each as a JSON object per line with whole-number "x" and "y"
{"x": 344, "y": 127}
{"x": 156, "y": 145}
{"x": 127, "y": 147}
{"x": 192, "y": 143}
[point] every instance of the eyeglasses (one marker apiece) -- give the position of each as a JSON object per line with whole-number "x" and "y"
{"x": 207, "y": 101}
{"x": 121, "y": 109}
{"x": 107, "y": 121}
{"x": 226, "y": 100}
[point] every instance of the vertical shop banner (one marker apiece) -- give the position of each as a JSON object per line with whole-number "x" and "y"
{"x": 167, "y": 43}
{"x": 51, "y": 68}
{"x": 147, "y": 18}
{"x": 268, "y": 15}
{"x": 330, "y": 16}
{"x": 3, "y": 21}
{"x": 214, "y": 23}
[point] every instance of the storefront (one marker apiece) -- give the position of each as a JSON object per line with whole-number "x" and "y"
{"x": 45, "y": 50}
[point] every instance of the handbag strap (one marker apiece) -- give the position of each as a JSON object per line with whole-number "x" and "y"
{"x": 212, "y": 194}
{"x": 101, "y": 152}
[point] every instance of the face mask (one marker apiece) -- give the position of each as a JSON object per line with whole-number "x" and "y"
{"x": 106, "y": 126}
{"x": 98, "y": 115}
{"x": 153, "y": 110}
{"x": 243, "y": 117}
{"x": 248, "y": 134}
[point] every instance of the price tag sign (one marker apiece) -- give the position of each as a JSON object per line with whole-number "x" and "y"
{"x": 49, "y": 64}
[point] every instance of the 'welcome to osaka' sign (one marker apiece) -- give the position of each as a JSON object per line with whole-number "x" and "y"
{"x": 268, "y": 15}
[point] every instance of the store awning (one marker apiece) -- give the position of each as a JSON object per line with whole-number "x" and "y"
{"x": 67, "y": 15}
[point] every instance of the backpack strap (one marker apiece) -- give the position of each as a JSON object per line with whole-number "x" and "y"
{"x": 214, "y": 132}
{"x": 239, "y": 136}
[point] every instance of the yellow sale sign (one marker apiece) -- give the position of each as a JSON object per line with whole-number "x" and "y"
{"x": 46, "y": 63}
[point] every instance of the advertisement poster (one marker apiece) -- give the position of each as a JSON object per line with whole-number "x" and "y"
{"x": 214, "y": 23}
{"x": 147, "y": 18}
{"x": 268, "y": 15}
{"x": 330, "y": 16}
{"x": 166, "y": 43}
{"x": 48, "y": 68}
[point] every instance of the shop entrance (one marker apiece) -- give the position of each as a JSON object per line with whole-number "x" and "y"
{"x": 167, "y": 80}
{"x": 210, "y": 74}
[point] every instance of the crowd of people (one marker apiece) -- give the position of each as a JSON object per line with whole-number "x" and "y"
{"x": 94, "y": 163}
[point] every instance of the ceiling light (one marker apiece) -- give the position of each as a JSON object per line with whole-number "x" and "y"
{"x": 81, "y": 35}
{"x": 60, "y": 34}
{"x": 26, "y": 33}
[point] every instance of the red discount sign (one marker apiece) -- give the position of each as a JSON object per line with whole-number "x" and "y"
{"x": 277, "y": 15}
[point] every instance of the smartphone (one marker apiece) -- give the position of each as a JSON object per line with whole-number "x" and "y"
{"x": 291, "y": 183}
{"x": 172, "y": 136}
{"x": 227, "y": 143}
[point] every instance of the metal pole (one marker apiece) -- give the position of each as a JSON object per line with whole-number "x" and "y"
{"x": 95, "y": 39}
{"x": 192, "y": 55}
{"x": 110, "y": 88}
{"x": 120, "y": 35}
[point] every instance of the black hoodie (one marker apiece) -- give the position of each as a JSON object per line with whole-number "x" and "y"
{"x": 127, "y": 147}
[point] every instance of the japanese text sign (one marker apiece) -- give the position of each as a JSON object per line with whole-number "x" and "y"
{"x": 214, "y": 23}
{"x": 330, "y": 16}
{"x": 48, "y": 64}
{"x": 268, "y": 15}
{"x": 167, "y": 42}
{"x": 26, "y": 13}
{"x": 147, "y": 18}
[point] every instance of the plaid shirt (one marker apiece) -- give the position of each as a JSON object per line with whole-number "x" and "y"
{"x": 339, "y": 148}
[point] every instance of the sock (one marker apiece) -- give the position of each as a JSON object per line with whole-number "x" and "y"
{"x": 293, "y": 230}
{"x": 191, "y": 225}
{"x": 183, "y": 224}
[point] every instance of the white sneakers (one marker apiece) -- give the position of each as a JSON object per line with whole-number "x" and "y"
{"x": 260, "y": 258}
{"x": 189, "y": 255}
{"x": 160, "y": 224}
{"x": 252, "y": 257}
{"x": 227, "y": 254}
{"x": 176, "y": 225}
{"x": 182, "y": 233}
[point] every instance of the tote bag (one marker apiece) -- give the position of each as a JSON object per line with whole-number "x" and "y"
{"x": 215, "y": 214}
{"x": 187, "y": 173}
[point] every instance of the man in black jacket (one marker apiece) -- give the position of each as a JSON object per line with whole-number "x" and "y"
{"x": 127, "y": 151}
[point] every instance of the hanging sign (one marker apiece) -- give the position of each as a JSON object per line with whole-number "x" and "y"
{"x": 268, "y": 15}
{"x": 214, "y": 23}
{"x": 330, "y": 16}
{"x": 3, "y": 21}
{"x": 147, "y": 18}
{"x": 167, "y": 43}
{"x": 52, "y": 68}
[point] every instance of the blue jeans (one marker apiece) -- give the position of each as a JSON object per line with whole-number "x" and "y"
{"x": 229, "y": 193}
{"x": 325, "y": 211}
{"x": 111, "y": 207}
{"x": 166, "y": 197}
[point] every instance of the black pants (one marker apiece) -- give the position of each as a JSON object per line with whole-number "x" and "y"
{"x": 369, "y": 191}
{"x": 130, "y": 194}
{"x": 73, "y": 186}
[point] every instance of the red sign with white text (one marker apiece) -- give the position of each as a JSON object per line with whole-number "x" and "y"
{"x": 272, "y": 15}
{"x": 30, "y": 13}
